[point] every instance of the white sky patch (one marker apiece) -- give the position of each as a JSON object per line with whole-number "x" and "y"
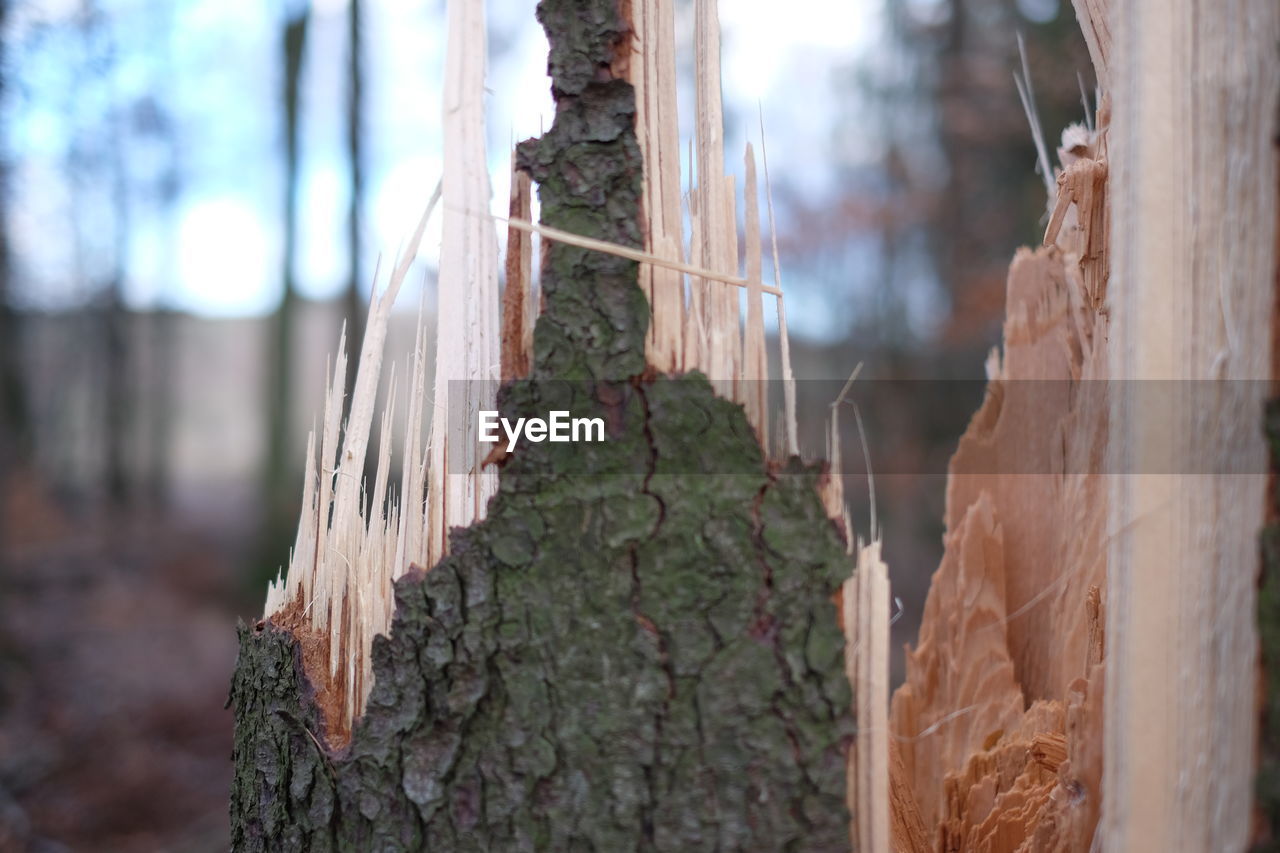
{"x": 148, "y": 270}
{"x": 224, "y": 63}
{"x": 47, "y": 12}
{"x": 520, "y": 103}
{"x": 321, "y": 266}
{"x": 397, "y": 201}
{"x": 763, "y": 38}
{"x": 1039, "y": 11}
{"x": 225, "y": 258}
{"x": 330, "y": 7}
{"x": 784, "y": 59}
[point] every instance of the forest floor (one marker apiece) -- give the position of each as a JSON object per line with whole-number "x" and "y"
{"x": 116, "y": 652}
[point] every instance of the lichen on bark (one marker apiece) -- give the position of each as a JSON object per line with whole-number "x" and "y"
{"x": 636, "y": 649}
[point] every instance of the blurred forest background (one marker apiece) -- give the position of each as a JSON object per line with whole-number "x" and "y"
{"x": 194, "y": 193}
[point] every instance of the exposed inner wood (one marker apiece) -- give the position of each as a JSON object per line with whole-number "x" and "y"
{"x": 1095, "y": 22}
{"x": 354, "y": 541}
{"x": 652, "y": 73}
{"x": 1193, "y": 208}
{"x": 704, "y": 329}
{"x": 998, "y": 724}
{"x": 518, "y": 310}
{"x": 906, "y": 827}
{"x": 754, "y": 366}
{"x": 349, "y": 547}
{"x": 866, "y": 625}
{"x": 313, "y": 646}
{"x": 467, "y": 334}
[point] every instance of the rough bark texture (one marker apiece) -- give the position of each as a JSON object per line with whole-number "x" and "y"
{"x": 628, "y": 654}
{"x": 588, "y": 169}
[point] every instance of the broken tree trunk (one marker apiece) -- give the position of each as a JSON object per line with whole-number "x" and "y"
{"x": 1193, "y": 237}
{"x": 1104, "y": 505}
{"x": 627, "y": 653}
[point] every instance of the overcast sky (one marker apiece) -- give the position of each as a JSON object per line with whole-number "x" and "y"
{"x": 213, "y": 67}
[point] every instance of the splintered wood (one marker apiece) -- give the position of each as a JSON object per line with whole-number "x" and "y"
{"x": 518, "y": 309}
{"x": 882, "y": 809}
{"x": 352, "y": 543}
{"x": 699, "y": 325}
{"x": 865, "y": 603}
{"x": 1081, "y": 200}
{"x": 1095, "y": 24}
{"x": 652, "y": 72}
{"x": 702, "y": 329}
{"x": 999, "y": 721}
{"x": 336, "y": 595}
{"x": 467, "y": 346}
{"x": 1194, "y": 209}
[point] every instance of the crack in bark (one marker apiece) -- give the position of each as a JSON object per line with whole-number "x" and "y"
{"x": 483, "y": 671}
{"x": 664, "y": 661}
{"x": 520, "y": 701}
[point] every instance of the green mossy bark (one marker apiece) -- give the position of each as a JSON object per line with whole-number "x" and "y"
{"x": 1267, "y": 786}
{"x": 588, "y": 168}
{"x": 630, "y": 652}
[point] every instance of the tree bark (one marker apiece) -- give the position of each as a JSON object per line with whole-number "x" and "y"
{"x": 627, "y": 654}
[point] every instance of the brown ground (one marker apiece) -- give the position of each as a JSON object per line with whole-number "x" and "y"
{"x": 116, "y": 650}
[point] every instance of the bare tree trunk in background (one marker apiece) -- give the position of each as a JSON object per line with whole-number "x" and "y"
{"x": 13, "y": 393}
{"x": 162, "y": 319}
{"x": 160, "y": 413}
{"x": 962, "y": 54}
{"x": 15, "y": 431}
{"x": 14, "y": 426}
{"x": 354, "y": 304}
{"x": 118, "y": 362}
{"x": 279, "y": 488}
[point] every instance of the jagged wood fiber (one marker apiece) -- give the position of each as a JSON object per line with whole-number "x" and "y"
{"x": 627, "y": 654}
